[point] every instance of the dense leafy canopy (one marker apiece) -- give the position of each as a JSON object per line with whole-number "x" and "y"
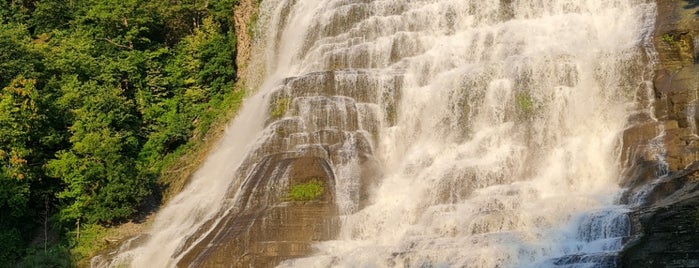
{"x": 93, "y": 95}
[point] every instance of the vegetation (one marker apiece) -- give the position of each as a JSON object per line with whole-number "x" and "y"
{"x": 307, "y": 191}
{"x": 678, "y": 40}
{"x": 280, "y": 131}
{"x": 525, "y": 103}
{"x": 97, "y": 99}
{"x": 280, "y": 106}
{"x": 391, "y": 114}
{"x": 668, "y": 38}
{"x": 252, "y": 24}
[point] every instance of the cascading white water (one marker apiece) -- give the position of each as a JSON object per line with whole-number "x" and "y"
{"x": 505, "y": 150}
{"x": 501, "y": 151}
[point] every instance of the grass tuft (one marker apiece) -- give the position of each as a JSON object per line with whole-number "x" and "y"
{"x": 307, "y": 191}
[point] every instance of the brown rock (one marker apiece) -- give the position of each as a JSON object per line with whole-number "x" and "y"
{"x": 666, "y": 224}
{"x": 676, "y": 89}
{"x": 670, "y": 231}
{"x": 244, "y": 12}
{"x": 635, "y": 143}
{"x": 319, "y": 130}
{"x": 265, "y": 227}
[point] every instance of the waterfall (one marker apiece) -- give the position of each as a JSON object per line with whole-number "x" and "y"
{"x": 492, "y": 129}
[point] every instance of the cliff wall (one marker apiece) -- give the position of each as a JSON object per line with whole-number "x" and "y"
{"x": 665, "y": 177}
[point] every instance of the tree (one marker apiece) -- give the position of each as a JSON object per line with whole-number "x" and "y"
{"x": 16, "y": 55}
{"x": 19, "y": 123}
{"x": 50, "y": 14}
{"x": 99, "y": 171}
{"x": 94, "y": 95}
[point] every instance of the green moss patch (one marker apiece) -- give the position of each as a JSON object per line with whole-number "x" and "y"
{"x": 668, "y": 38}
{"x": 307, "y": 191}
{"x": 525, "y": 103}
{"x": 279, "y": 107}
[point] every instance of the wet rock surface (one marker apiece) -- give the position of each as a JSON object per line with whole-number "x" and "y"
{"x": 662, "y": 154}
{"x": 244, "y": 16}
{"x": 677, "y": 79}
{"x": 669, "y": 231}
{"x": 319, "y": 124}
{"x": 268, "y": 227}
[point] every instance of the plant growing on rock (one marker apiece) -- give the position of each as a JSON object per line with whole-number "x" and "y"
{"x": 280, "y": 131}
{"x": 667, "y": 38}
{"x": 279, "y": 107}
{"x": 525, "y": 102}
{"x": 391, "y": 114}
{"x": 306, "y": 191}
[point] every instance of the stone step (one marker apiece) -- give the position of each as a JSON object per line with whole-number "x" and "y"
{"x": 592, "y": 260}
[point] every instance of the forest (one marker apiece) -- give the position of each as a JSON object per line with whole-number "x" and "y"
{"x": 97, "y": 97}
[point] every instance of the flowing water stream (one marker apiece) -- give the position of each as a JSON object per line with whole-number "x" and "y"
{"x": 495, "y": 125}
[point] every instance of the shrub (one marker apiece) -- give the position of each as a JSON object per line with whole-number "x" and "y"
{"x": 56, "y": 256}
{"x": 306, "y": 191}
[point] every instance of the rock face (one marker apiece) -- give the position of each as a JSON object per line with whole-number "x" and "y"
{"x": 319, "y": 126}
{"x": 244, "y": 16}
{"x": 269, "y": 228}
{"x": 669, "y": 229}
{"x": 662, "y": 154}
{"x": 313, "y": 128}
{"x": 676, "y": 79}
{"x": 674, "y": 98}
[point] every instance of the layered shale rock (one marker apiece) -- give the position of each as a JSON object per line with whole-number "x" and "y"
{"x": 269, "y": 227}
{"x": 674, "y": 99}
{"x": 663, "y": 153}
{"x": 670, "y": 227}
{"x": 320, "y": 125}
{"x": 677, "y": 79}
{"x": 244, "y": 17}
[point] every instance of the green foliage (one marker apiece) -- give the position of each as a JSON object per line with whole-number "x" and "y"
{"x": 525, "y": 103}
{"x": 215, "y": 108}
{"x": 97, "y": 99}
{"x": 17, "y": 57}
{"x": 216, "y": 69}
{"x": 19, "y": 118}
{"x": 22, "y": 142}
{"x": 307, "y": 191}
{"x": 680, "y": 40}
{"x": 668, "y": 38}
{"x": 57, "y": 256}
{"x": 14, "y": 11}
{"x": 252, "y": 25}
{"x": 279, "y": 107}
{"x": 89, "y": 241}
{"x": 51, "y": 14}
{"x": 99, "y": 170}
{"x": 222, "y": 11}
{"x": 188, "y": 90}
{"x": 14, "y": 199}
